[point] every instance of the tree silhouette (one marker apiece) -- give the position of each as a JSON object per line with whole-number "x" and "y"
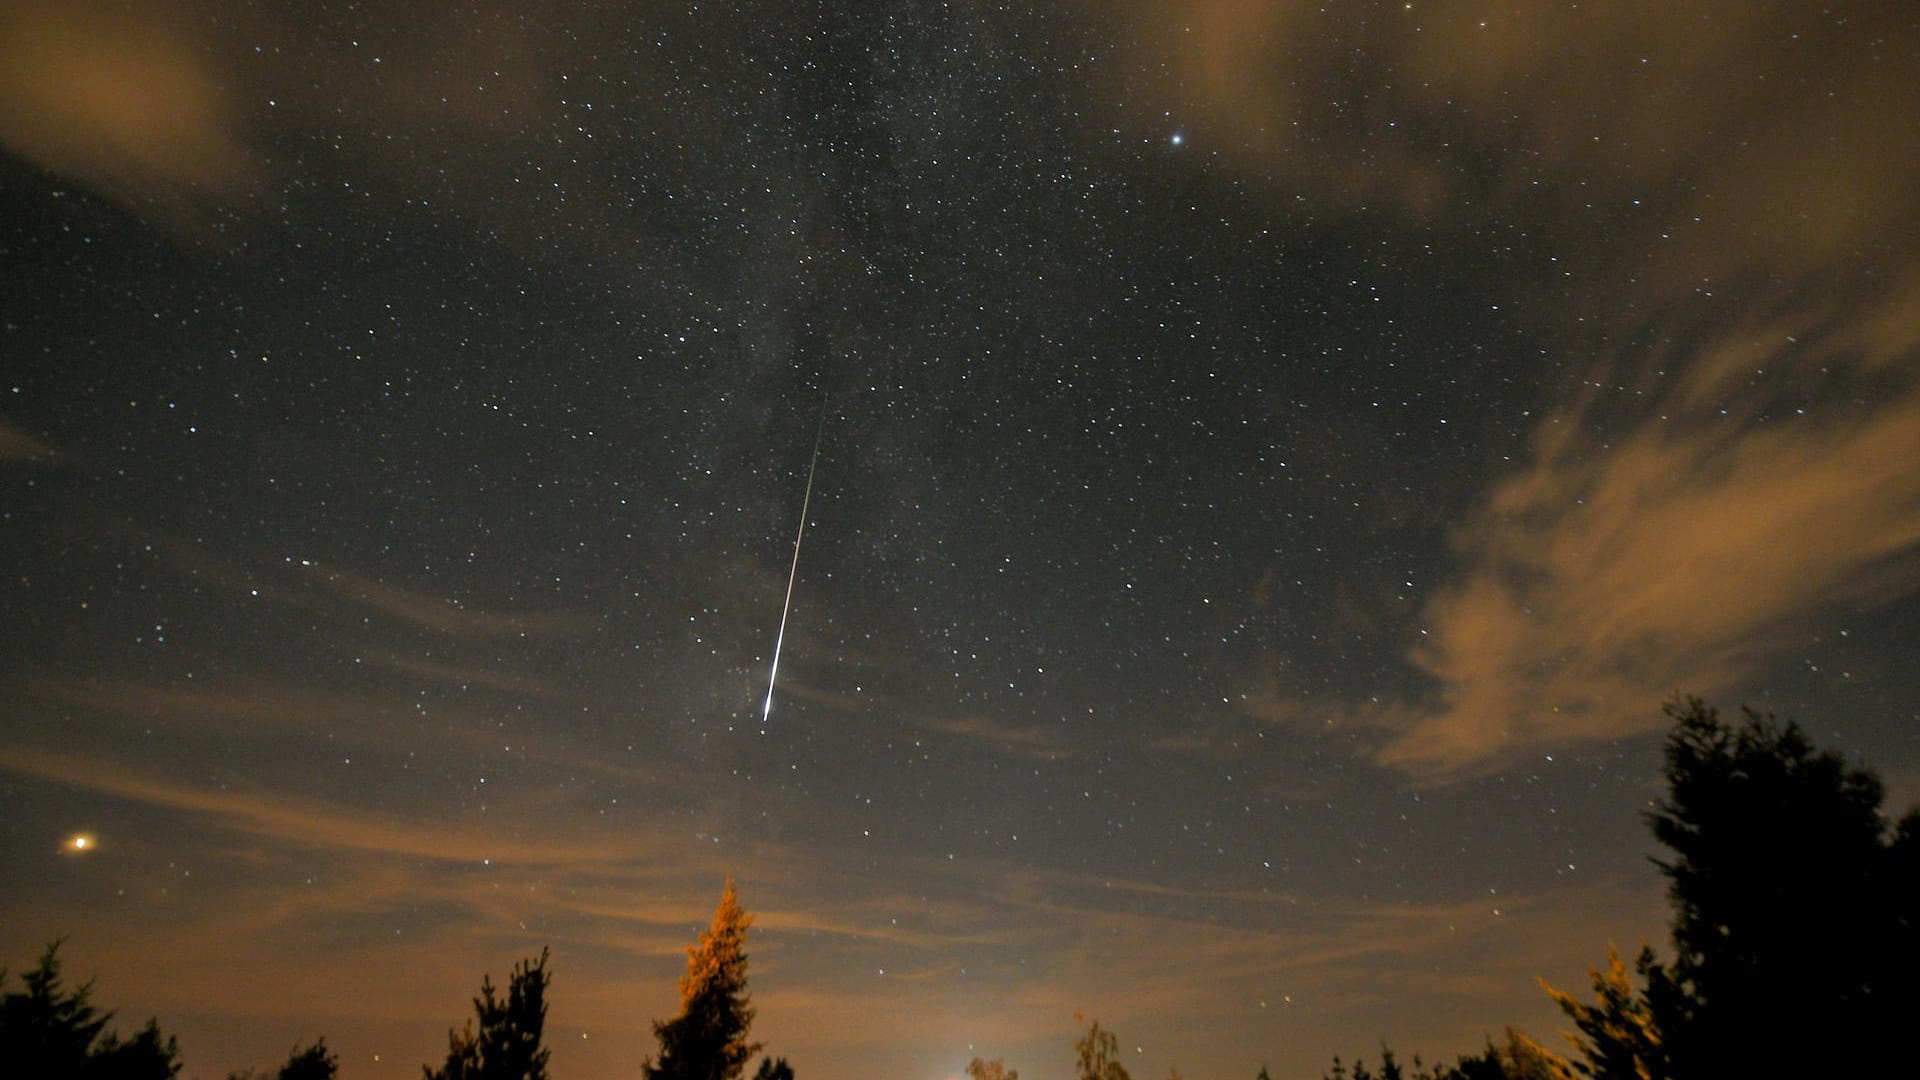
{"x": 1796, "y": 904}
{"x": 1796, "y": 908}
{"x": 978, "y": 1069}
{"x": 47, "y": 1030}
{"x": 1098, "y": 1053}
{"x": 1515, "y": 1058}
{"x": 773, "y": 1069}
{"x": 506, "y": 1044}
{"x": 313, "y": 1062}
{"x": 708, "y": 1040}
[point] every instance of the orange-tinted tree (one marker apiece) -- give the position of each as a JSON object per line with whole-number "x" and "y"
{"x": 1097, "y": 1053}
{"x": 981, "y": 1069}
{"x": 708, "y": 1040}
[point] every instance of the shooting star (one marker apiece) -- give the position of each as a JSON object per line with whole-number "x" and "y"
{"x": 773, "y": 674}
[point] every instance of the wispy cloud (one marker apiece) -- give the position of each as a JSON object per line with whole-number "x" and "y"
{"x": 1035, "y": 741}
{"x": 1732, "y": 472}
{"x": 17, "y": 445}
{"x": 1551, "y": 106}
{"x": 441, "y": 615}
{"x": 300, "y": 820}
{"x": 461, "y": 675}
{"x": 1628, "y": 560}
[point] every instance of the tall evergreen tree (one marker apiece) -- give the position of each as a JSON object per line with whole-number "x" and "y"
{"x": 507, "y": 1043}
{"x": 1795, "y": 904}
{"x": 1796, "y": 916}
{"x": 708, "y": 1040}
{"x": 48, "y": 1030}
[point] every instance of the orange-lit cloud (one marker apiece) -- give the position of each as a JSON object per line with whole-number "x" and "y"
{"x": 125, "y": 100}
{"x": 294, "y": 819}
{"x": 619, "y": 905}
{"x": 441, "y": 615}
{"x": 1030, "y": 741}
{"x": 1677, "y": 511}
{"x": 17, "y": 445}
{"x": 462, "y": 675}
{"x": 466, "y": 734}
{"x": 1669, "y": 551}
{"x": 1743, "y": 131}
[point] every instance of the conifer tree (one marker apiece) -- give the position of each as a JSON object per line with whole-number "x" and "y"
{"x": 1618, "y": 1035}
{"x": 1795, "y": 904}
{"x": 1796, "y": 916}
{"x": 773, "y": 1069}
{"x": 48, "y": 1030}
{"x": 708, "y": 1040}
{"x": 507, "y": 1043}
{"x": 314, "y": 1062}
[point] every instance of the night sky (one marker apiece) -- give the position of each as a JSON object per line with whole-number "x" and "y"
{"x": 1275, "y": 460}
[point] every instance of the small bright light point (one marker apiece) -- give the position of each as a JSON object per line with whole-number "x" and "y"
{"x": 1176, "y": 138}
{"x": 79, "y": 844}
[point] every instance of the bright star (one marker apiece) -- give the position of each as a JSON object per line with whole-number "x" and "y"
{"x": 1176, "y": 138}
{"x": 79, "y": 844}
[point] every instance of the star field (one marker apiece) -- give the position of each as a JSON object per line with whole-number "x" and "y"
{"x": 1276, "y": 461}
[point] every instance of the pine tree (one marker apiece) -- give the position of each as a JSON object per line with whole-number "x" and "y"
{"x": 1520, "y": 1058}
{"x": 1618, "y": 1035}
{"x": 1795, "y": 905}
{"x": 47, "y": 1030}
{"x": 773, "y": 1069}
{"x": 708, "y": 1040}
{"x": 314, "y": 1062}
{"x": 506, "y": 1045}
{"x": 1796, "y": 917}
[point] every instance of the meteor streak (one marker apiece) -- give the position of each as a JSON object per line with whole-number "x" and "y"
{"x": 773, "y": 673}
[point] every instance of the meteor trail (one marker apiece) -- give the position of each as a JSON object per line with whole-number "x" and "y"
{"x": 773, "y": 673}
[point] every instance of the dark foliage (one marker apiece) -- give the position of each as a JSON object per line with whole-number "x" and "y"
{"x": 313, "y": 1062}
{"x": 1795, "y": 905}
{"x": 1515, "y": 1058}
{"x": 47, "y": 1030}
{"x": 507, "y": 1043}
{"x": 773, "y": 1069}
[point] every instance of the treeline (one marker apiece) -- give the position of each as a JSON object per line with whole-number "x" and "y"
{"x": 1794, "y": 948}
{"x": 1795, "y": 945}
{"x": 50, "y": 1031}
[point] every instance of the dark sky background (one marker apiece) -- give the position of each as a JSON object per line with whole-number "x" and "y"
{"x": 1275, "y": 464}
